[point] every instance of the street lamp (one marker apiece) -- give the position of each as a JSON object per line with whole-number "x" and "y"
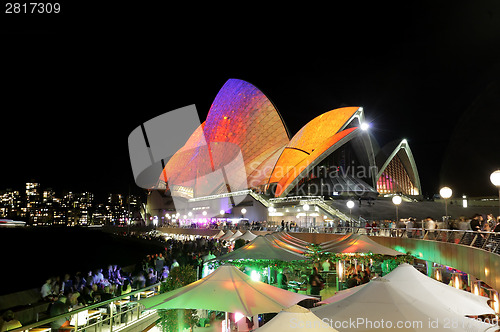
{"x": 350, "y": 205}
{"x": 397, "y": 200}
{"x": 306, "y": 208}
{"x": 445, "y": 193}
{"x": 243, "y": 211}
{"x": 495, "y": 179}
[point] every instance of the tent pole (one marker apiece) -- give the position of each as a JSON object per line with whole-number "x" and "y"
{"x": 255, "y": 321}
{"x": 227, "y": 323}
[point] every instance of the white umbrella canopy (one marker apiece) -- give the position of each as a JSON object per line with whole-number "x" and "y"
{"x": 359, "y": 243}
{"x": 289, "y": 245}
{"x": 342, "y": 294}
{"x": 297, "y": 319}
{"x": 262, "y": 248}
{"x": 226, "y": 236}
{"x": 227, "y": 289}
{"x": 336, "y": 241}
{"x": 415, "y": 284}
{"x": 218, "y": 235}
{"x": 248, "y": 236}
{"x": 287, "y": 236}
{"x": 381, "y": 306}
{"x": 236, "y": 235}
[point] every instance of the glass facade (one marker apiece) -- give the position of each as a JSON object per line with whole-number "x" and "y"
{"x": 396, "y": 180}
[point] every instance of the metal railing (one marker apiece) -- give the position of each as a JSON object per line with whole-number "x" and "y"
{"x": 489, "y": 241}
{"x": 106, "y": 316}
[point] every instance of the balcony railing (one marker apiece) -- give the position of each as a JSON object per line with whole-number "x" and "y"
{"x": 112, "y": 315}
{"x": 489, "y": 241}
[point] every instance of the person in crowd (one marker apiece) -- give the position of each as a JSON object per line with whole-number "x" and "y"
{"x": 151, "y": 279}
{"x": 430, "y": 226}
{"x": 119, "y": 277}
{"x": 352, "y": 280}
{"x": 326, "y": 265}
{"x": 159, "y": 263}
{"x": 107, "y": 293}
{"x": 164, "y": 273}
{"x": 9, "y": 322}
{"x": 282, "y": 279}
{"x": 496, "y": 228}
{"x": 110, "y": 274}
{"x": 58, "y": 308}
{"x": 316, "y": 282}
{"x": 174, "y": 264}
{"x": 410, "y": 225}
{"x": 95, "y": 293}
{"x": 67, "y": 284}
{"x": 475, "y": 223}
{"x": 57, "y": 285}
{"x": 368, "y": 227}
{"x": 90, "y": 278}
{"x": 99, "y": 277}
{"x": 86, "y": 296}
{"x": 139, "y": 280}
{"x": 364, "y": 277}
{"x": 79, "y": 283}
{"x": 47, "y": 292}
{"x": 491, "y": 221}
{"x": 126, "y": 287}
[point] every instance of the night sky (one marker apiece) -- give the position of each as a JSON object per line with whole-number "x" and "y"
{"x": 75, "y": 86}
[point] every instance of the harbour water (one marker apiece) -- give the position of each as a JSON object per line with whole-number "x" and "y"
{"x": 30, "y": 255}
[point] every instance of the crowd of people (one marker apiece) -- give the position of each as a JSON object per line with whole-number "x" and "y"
{"x": 357, "y": 275}
{"x": 95, "y": 285}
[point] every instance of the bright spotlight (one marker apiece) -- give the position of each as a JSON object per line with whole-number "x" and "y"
{"x": 365, "y": 126}
{"x": 255, "y": 276}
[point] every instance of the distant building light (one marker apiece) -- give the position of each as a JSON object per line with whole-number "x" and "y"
{"x": 464, "y": 201}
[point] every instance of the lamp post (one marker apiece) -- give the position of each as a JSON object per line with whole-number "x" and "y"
{"x": 495, "y": 179}
{"x": 306, "y": 208}
{"x": 350, "y": 205}
{"x": 243, "y": 211}
{"x": 270, "y": 211}
{"x": 445, "y": 193}
{"x": 397, "y": 200}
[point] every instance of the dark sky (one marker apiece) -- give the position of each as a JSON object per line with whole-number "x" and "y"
{"x": 76, "y": 85}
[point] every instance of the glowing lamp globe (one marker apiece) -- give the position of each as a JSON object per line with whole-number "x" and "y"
{"x": 204, "y": 213}
{"x": 222, "y": 212}
{"x": 305, "y": 207}
{"x": 243, "y": 211}
{"x": 396, "y": 200}
{"x": 445, "y": 192}
{"x": 495, "y": 178}
{"x": 350, "y": 204}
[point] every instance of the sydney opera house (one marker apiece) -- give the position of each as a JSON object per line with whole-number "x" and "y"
{"x": 242, "y": 161}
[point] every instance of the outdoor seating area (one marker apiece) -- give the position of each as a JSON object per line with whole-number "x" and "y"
{"x": 278, "y": 278}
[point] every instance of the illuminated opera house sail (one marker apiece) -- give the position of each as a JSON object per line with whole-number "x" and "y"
{"x": 245, "y": 144}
